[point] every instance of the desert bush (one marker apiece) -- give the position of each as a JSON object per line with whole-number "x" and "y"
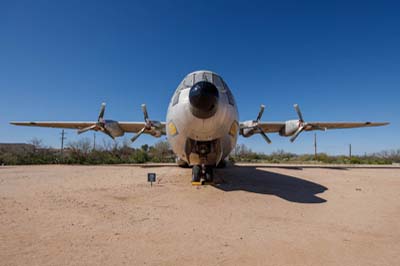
{"x": 82, "y": 152}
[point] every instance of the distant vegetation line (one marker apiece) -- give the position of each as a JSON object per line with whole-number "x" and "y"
{"x": 83, "y": 152}
{"x": 244, "y": 154}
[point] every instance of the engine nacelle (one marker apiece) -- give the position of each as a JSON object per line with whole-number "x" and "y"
{"x": 156, "y": 133}
{"x": 289, "y": 128}
{"x": 114, "y": 128}
{"x": 248, "y": 128}
{"x": 247, "y": 132}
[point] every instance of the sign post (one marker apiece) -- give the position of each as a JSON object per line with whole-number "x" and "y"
{"x": 151, "y": 177}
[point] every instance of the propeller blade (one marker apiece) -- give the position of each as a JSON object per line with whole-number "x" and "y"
{"x": 83, "y": 130}
{"x": 138, "y": 134}
{"x": 146, "y": 115}
{"x": 262, "y": 107}
{"x": 265, "y": 136}
{"x": 102, "y": 110}
{"x": 297, "y": 108}
{"x": 297, "y": 133}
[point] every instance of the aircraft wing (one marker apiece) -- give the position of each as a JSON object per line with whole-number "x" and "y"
{"x": 109, "y": 127}
{"x": 271, "y": 127}
{"x": 55, "y": 124}
{"x": 337, "y": 125}
{"x": 135, "y": 127}
{"x": 292, "y": 128}
{"x": 132, "y": 127}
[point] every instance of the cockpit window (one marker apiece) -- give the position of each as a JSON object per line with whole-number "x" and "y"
{"x": 202, "y": 76}
{"x": 207, "y": 76}
{"x": 231, "y": 100}
{"x": 176, "y": 98}
{"x": 218, "y": 82}
{"x": 197, "y": 77}
{"x": 188, "y": 81}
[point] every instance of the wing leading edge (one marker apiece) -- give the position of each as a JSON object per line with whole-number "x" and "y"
{"x": 276, "y": 127}
{"x": 127, "y": 127}
{"x": 109, "y": 127}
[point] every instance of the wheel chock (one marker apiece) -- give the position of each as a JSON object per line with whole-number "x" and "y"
{"x": 202, "y": 183}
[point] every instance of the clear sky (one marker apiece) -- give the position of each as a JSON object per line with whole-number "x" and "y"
{"x": 339, "y": 60}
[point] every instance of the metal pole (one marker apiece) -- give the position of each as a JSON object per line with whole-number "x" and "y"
{"x": 94, "y": 141}
{"x": 315, "y": 146}
{"x": 62, "y": 144}
{"x": 350, "y": 151}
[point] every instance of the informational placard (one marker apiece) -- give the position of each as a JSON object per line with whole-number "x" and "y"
{"x": 151, "y": 177}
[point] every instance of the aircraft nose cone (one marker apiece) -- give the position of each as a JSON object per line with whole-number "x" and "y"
{"x": 203, "y": 97}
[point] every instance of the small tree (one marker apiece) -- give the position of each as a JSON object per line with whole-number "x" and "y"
{"x": 145, "y": 148}
{"x": 161, "y": 152}
{"x": 37, "y": 143}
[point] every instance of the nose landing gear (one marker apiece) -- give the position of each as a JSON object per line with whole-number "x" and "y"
{"x": 202, "y": 174}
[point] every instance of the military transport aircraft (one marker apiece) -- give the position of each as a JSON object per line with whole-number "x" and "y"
{"x": 202, "y": 124}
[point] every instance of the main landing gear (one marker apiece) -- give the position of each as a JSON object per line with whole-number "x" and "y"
{"x": 201, "y": 174}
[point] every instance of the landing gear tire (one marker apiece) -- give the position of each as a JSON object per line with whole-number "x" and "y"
{"x": 209, "y": 174}
{"x": 196, "y": 173}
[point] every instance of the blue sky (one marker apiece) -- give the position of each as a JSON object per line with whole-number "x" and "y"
{"x": 339, "y": 60}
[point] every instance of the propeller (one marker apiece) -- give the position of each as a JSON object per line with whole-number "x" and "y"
{"x": 99, "y": 125}
{"x": 147, "y": 126}
{"x": 297, "y": 108}
{"x": 302, "y": 124}
{"x": 260, "y": 113}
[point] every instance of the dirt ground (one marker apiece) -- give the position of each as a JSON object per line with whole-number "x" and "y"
{"x": 109, "y": 215}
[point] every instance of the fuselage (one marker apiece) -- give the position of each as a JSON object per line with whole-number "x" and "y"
{"x": 202, "y": 121}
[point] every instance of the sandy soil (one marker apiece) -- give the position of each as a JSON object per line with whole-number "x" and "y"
{"x": 109, "y": 215}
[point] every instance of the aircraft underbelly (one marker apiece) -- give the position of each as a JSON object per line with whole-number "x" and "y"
{"x": 191, "y": 133}
{"x": 215, "y": 130}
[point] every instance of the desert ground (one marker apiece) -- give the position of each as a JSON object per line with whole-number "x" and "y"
{"x": 255, "y": 215}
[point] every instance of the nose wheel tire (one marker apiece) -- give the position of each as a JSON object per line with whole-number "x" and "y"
{"x": 209, "y": 174}
{"x": 196, "y": 173}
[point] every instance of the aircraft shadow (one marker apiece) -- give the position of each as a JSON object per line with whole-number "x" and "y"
{"x": 252, "y": 179}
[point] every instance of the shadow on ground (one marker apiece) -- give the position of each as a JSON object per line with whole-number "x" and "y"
{"x": 259, "y": 180}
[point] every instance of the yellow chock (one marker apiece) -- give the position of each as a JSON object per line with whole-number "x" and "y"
{"x": 202, "y": 183}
